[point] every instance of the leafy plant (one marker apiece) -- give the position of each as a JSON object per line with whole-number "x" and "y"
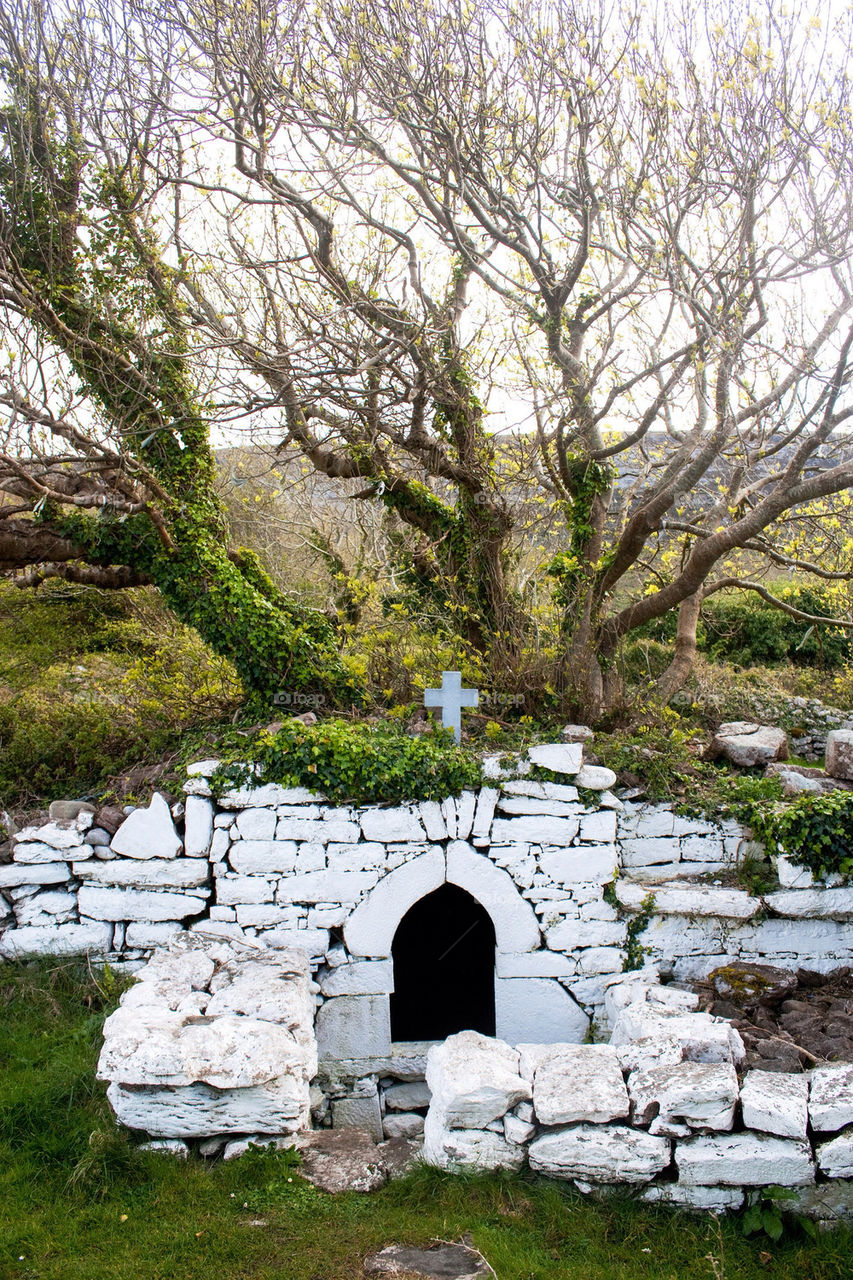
{"x": 814, "y": 831}
{"x": 635, "y": 952}
{"x": 764, "y": 1212}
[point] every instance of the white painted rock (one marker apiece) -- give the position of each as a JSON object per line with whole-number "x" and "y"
{"x": 744, "y": 1159}
{"x": 839, "y": 753}
{"x": 579, "y": 1082}
{"x": 644, "y": 1055}
{"x": 775, "y": 1103}
{"x": 835, "y": 1158}
{"x": 167, "y": 1147}
{"x": 559, "y": 757}
{"x": 391, "y": 824}
{"x": 703, "y": 1037}
{"x": 198, "y": 1111}
{"x": 148, "y": 833}
{"x": 747, "y": 744}
{"x": 58, "y": 835}
{"x": 612, "y": 1153}
{"x": 446, "y": 1148}
{"x": 595, "y": 777}
{"x": 707, "y": 1199}
{"x": 362, "y": 978}
{"x": 104, "y": 903}
{"x": 701, "y": 1095}
{"x": 473, "y": 1079}
{"x": 535, "y": 829}
{"x": 198, "y": 826}
{"x": 541, "y": 1007}
{"x": 831, "y": 1097}
{"x": 34, "y": 853}
{"x": 56, "y": 940}
{"x": 156, "y": 873}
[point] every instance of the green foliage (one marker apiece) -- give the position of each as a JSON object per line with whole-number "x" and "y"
{"x": 749, "y": 631}
{"x": 764, "y": 1212}
{"x": 365, "y": 763}
{"x": 635, "y": 952}
{"x": 814, "y": 831}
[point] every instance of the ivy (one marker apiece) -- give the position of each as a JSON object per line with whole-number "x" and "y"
{"x": 353, "y": 761}
{"x": 635, "y": 952}
{"x": 814, "y": 831}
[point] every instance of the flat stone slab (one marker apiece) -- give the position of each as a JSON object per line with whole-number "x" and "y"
{"x": 474, "y": 1079}
{"x": 775, "y": 1102}
{"x": 835, "y": 1158}
{"x": 336, "y": 1160}
{"x": 831, "y": 1097}
{"x": 439, "y": 1262}
{"x": 580, "y": 1082}
{"x": 701, "y": 1095}
{"x": 744, "y": 1159}
{"x": 601, "y": 1153}
{"x": 747, "y": 744}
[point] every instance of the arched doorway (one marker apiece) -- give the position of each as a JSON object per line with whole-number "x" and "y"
{"x": 444, "y": 968}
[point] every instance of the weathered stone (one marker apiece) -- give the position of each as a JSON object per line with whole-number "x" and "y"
{"x": 199, "y": 1111}
{"x": 746, "y": 983}
{"x": 775, "y": 1103}
{"x": 704, "y": 1038}
{"x": 595, "y": 777}
{"x": 839, "y": 753}
{"x": 177, "y": 873}
{"x": 541, "y": 1008}
{"x": 571, "y": 935}
{"x": 361, "y": 1112}
{"x": 520, "y": 806}
{"x": 831, "y": 1097}
{"x": 337, "y": 1160}
{"x": 33, "y": 853}
{"x": 748, "y": 745}
{"x": 701, "y": 1095}
{"x": 148, "y": 833}
{"x": 645, "y": 1055}
{"x": 579, "y": 1082}
{"x": 98, "y": 838}
{"x": 828, "y": 1203}
{"x": 152, "y": 935}
{"x": 480, "y": 1149}
{"x": 386, "y": 825}
{"x": 559, "y": 757}
{"x": 744, "y": 1159}
{"x": 473, "y": 1080}
{"x": 233, "y": 889}
{"x": 326, "y": 886}
{"x": 363, "y": 978}
{"x": 402, "y": 1124}
{"x": 535, "y": 830}
{"x": 732, "y": 904}
{"x": 485, "y": 811}
{"x": 56, "y": 940}
{"x": 12, "y": 875}
{"x": 707, "y": 1199}
{"x": 167, "y": 1147}
{"x": 835, "y": 1158}
{"x": 407, "y": 1097}
{"x": 647, "y": 851}
{"x": 438, "y": 1262}
{"x": 198, "y": 826}
{"x": 102, "y": 903}
{"x": 58, "y": 835}
{"x": 602, "y": 1153}
{"x": 516, "y": 1130}
{"x": 366, "y": 856}
{"x": 834, "y": 904}
{"x": 354, "y": 1027}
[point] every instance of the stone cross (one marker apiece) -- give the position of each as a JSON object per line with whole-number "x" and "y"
{"x": 451, "y": 698}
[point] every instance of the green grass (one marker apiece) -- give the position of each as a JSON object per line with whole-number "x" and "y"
{"x": 72, "y": 1206}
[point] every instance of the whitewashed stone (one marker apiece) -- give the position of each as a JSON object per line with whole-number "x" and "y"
{"x": 602, "y": 1153}
{"x": 261, "y": 797}
{"x": 671, "y": 936}
{"x": 580, "y": 865}
{"x": 432, "y": 819}
{"x": 708, "y": 1199}
{"x": 256, "y": 824}
{"x": 570, "y": 935}
{"x": 363, "y": 978}
{"x": 102, "y": 903}
{"x": 485, "y": 811}
{"x": 448, "y": 815}
{"x": 831, "y": 1097}
{"x": 595, "y": 777}
{"x": 834, "y": 904}
{"x": 312, "y": 857}
{"x": 177, "y": 873}
{"x": 402, "y": 1125}
{"x": 367, "y": 856}
{"x": 199, "y": 1111}
{"x": 835, "y": 1158}
{"x": 703, "y": 1037}
{"x": 473, "y": 1080}
{"x": 313, "y": 941}
{"x": 517, "y": 1131}
{"x": 663, "y": 872}
{"x": 516, "y": 926}
{"x": 535, "y": 830}
{"x": 646, "y": 1055}
{"x": 261, "y": 915}
{"x": 354, "y": 1027}
{"x": 34, "y": 853}
{"x": 317, "y": 831}
{"x": 466, "y": 805}
{"x": 326, "y": 886}
{"x": 732, "y": 904}
{"x": 599, "y": 828}
{"x": 797, "y": 938}
{"x": 408, "y": 1097}
{"x": 601, "y": 960}
{"x": 520, "y": 806}
{"x": 58, "y": 835}
{"x": 528, "y": 1009}
{"x": 542, "y": 791}
{"x": 533, "y": 964}
{"x": 559, "y": 757}
{"x": 56, "y": 940}
{"x": 744, "y": 1159}
{"x": 219, "y": 845}
{"x": 703, "y": 849}
{"x": 198, "y": 826}
{"x": 217, "y": 929}
{"x": 446, "y": 1148}
{"x": 151, "y": 935}
{"x": 579, "y": 1082}
{"x": 792, "y": 876}
{"x": 647, "y": 851}
{"x": 53, "y": 902}
{"x": 700, "y": 1095}
{"x": 385, "y": 825}
{"x": 775, "y": 1103}
{"x": 148, "y": 833}
{"x": 231, "y": 890}
{"x": 202, "y": 768}
{"x": 839, "y": 753}
{"x": 167, "y": 1147}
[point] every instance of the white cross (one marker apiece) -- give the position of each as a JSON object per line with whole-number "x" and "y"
{"x": 451, "y": 698}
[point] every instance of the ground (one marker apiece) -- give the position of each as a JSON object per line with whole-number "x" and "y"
{"x": 77, "y": 1198}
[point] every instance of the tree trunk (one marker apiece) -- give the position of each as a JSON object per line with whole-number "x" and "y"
{"x": 679, "y": 669}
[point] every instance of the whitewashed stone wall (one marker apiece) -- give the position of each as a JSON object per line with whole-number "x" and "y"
{"x": 560, "y": 880}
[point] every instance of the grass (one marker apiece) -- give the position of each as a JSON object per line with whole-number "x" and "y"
{"x": 74, "y": 1205}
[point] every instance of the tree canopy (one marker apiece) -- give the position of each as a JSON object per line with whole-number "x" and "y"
{"x": 382, "y": 234}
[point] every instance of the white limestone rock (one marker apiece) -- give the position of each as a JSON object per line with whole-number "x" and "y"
{"x": 57, "y": 835}
{"x": 835, "y": 1158}
{"x": 354, "y": 1027}
{"x": 645, "y": 1055}
{"x": 703, "y": 1037}
{"x": 35, "y": 853}
{"x": 831, "y": 1097}
{"x": 433, "y": 820}
{"x": 326, "y": 886}
{"x": 473, "y": 1080}
{"x": 264, "y": 857}
{"x": 362, "y": 978}
{"x": 385, "y": 825}
{"x": 748, "y": 745}
{"x": 521, "y": 806}
{"x": 403, "y": 1125}
{"x": 148, "y": 833}
{"x": 257, "y": 824}
{"x": 156, "y": 873}
{"x": 535, "y": 829}
{"x": 700, "y": 1095}
{"x": 359, "y": 1112}
{"x": 601, "y": 1153}
{"x": 733, "y": 904}
{"x": 485, "y": 811}
{"x": 533, "y": 964}
{"x": 198, "y": 1111}
{"x": 56, "y": 940}
{"x": 791, "y": 876}
{"x": 447, "y": 1148}
{"x": 702, "y": 1199}
{"x": 167, "y": 1147}
{"x": 516, "y": 1130}
{"x": 407, "y": 1097}
{"x": 537, "y": 1007}
{"x": 198, "y": 826}
{"x": 143, "y": 936}
{"x": 833, "y": 904}
{"x": 595, "y": 777}
{"x": 103, "y": 903}
{"x": 578, "y": 1082}
{"x": 581, "y": 865}
{"x": 773, "y": 1102}
{"x": 571, "y": 935}
{"x": 318, "y": 831}
{"x": 744, "y": 1159}
{"x": 559, "y": 757}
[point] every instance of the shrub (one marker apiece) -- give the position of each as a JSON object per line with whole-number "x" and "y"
{"x": 367, "y": 763}
{"x": 749, "y": 631}
{"x": 813, "y": 831}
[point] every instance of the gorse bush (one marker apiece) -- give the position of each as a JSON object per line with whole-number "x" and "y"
{"x": 367, "y": 763}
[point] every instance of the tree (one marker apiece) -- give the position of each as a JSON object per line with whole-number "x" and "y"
{"x": 371, "y": 224}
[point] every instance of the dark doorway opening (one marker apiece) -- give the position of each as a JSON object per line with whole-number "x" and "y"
{"x": 444, "y": 968}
